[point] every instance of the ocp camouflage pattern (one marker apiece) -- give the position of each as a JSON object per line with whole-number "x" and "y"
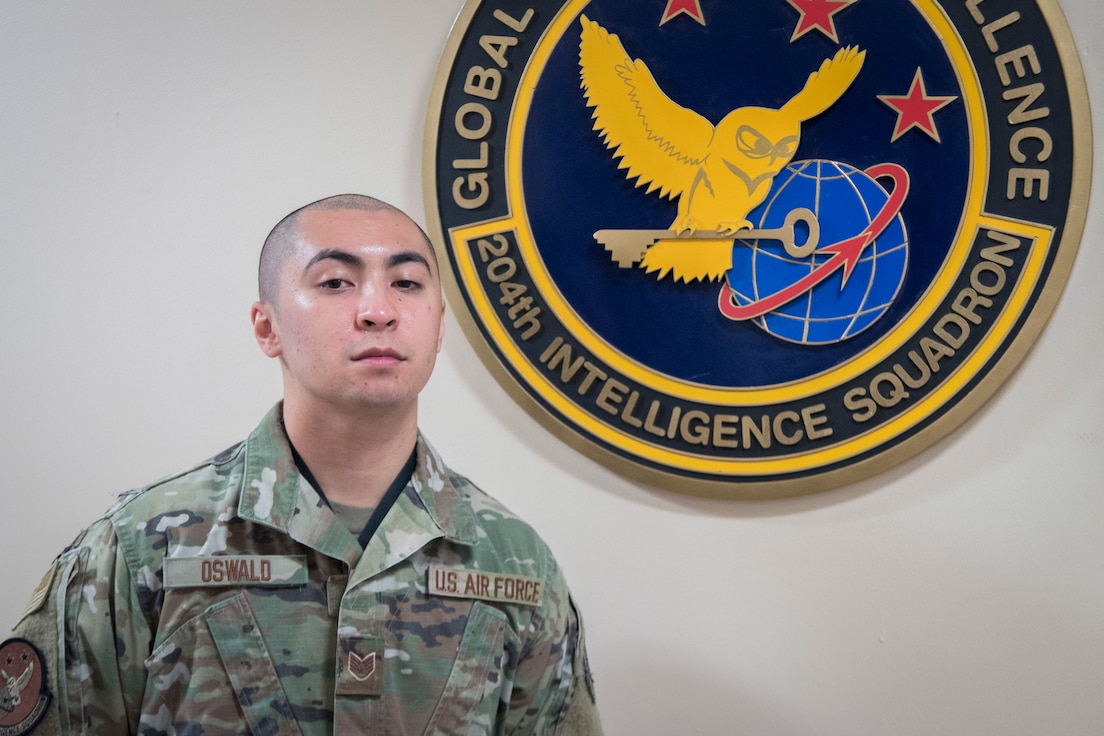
{"x": 360, "y": 647}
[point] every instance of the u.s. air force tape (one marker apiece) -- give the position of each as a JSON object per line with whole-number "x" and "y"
{"x": 185, "y": 572}
{"x": 487, "y": 586}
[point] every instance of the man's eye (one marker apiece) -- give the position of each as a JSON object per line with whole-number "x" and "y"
{"x": 333, "y": 283}
{"x": 407, "y": 284}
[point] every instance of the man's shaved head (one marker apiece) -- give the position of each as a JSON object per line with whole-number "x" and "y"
{"x": 281, "y": 242}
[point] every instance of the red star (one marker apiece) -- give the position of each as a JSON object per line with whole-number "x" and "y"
{"x": 818, "y": 14}
{"x": 916, "y": 109}
{"x": 690, "y": 7}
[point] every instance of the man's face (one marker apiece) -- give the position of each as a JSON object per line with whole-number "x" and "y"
{"x": 358, "y": 318}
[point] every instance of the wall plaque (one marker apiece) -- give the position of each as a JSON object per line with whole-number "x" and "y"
{"x": 758, "y": 248}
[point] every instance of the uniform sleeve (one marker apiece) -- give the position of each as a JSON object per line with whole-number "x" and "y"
{"x": 581, "y": 715}
{"x": 87, "y": 626}
{"x": 554, "y": 692}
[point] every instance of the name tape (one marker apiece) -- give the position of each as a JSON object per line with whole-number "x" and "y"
{"x": 188, "y": 572}
{"x": 487, "y": 586}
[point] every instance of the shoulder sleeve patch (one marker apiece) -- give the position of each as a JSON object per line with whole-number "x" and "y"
{"x": 38, "y": 597}
{"x": 24, "y": 695}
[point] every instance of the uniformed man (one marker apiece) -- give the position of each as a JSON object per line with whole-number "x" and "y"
{"x": 328, "y": 575}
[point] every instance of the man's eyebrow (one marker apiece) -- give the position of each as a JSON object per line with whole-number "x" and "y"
{"x": 408, "y": 256}
{"x": 334, "y": 254}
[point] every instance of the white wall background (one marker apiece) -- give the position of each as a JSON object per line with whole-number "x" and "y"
{"x": 145, "y": 150}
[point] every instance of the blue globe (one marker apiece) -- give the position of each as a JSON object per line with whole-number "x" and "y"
{"x": 845, "y": 201}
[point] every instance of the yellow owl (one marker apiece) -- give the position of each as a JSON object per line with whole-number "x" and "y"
{"x": 719, "y": 174}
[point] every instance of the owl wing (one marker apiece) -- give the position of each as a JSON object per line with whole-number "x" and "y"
{"x": 662, "y": 144}
{"x": 827, "y": 84}
{"x": 18, "y": 684}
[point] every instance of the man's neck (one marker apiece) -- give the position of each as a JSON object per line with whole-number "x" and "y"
{"x": 354, "y": 456}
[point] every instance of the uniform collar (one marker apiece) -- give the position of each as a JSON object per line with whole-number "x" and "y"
{"x": 275, "y": 493}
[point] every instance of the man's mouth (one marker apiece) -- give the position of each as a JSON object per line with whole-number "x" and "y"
{"x": 378, "y": 356}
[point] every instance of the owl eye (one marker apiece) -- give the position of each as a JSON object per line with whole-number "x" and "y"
{"x": 785, "y": 148}
{"x": 752, "y": 143}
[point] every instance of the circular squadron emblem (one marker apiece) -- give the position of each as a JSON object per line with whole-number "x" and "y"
{"x": 24, "y": 695}
{"x": 761, "y": 248}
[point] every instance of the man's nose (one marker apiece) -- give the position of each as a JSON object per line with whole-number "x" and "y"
{"x": 376, "y": 307}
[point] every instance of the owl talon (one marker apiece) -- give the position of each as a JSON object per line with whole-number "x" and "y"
{"x": 731, "y": 228}
{"x": 684, "y": 226}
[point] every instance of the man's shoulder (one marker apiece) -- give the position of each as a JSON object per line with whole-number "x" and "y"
{"x": 501, "y": 533}
{"x": 198, "y": 491}
{"x": 487, "y": 508}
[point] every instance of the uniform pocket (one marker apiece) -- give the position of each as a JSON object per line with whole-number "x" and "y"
{"x": 215, "y": 670}
{"x": 474, "y": 686}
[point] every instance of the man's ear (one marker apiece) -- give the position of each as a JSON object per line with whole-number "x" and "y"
{"x": 264, "y": 329}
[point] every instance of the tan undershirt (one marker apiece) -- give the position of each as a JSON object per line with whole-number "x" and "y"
{"x": 353, "y": 517}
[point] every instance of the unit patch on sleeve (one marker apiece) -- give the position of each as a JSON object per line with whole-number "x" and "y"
{"x": 24, "y": 694}
{"x": 759, "y": 248}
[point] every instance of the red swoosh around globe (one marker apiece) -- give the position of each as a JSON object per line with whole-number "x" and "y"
{"x": 845, "y": 254}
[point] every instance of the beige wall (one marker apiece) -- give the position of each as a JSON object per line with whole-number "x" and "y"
{"x": 146, "y": 149}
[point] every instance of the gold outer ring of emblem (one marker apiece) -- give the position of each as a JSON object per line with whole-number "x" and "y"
{"x": 726, "y": 471}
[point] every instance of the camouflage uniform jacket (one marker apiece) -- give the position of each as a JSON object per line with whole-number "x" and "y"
{"x": 228, "y": 599}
